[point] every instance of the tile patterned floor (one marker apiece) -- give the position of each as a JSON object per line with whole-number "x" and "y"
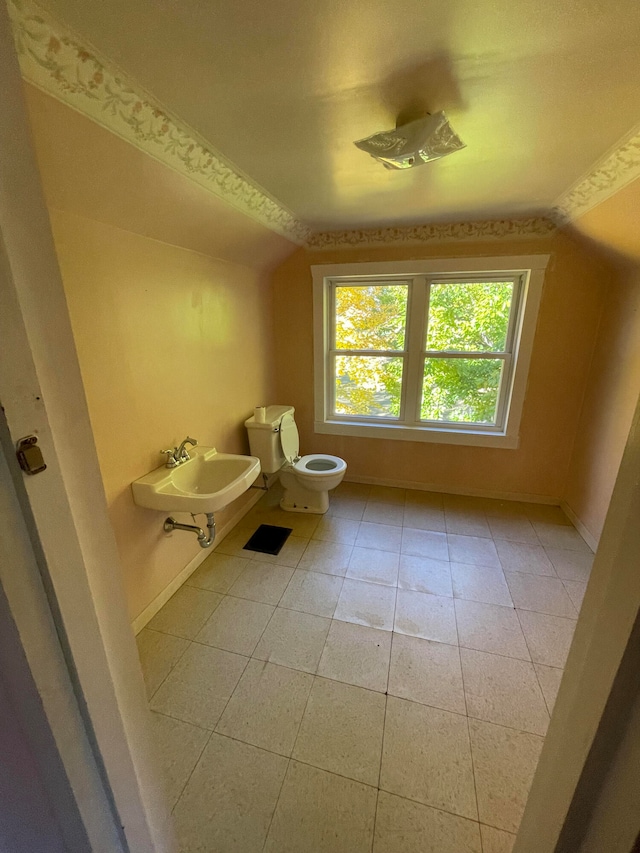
{"x": 384, "y": 684}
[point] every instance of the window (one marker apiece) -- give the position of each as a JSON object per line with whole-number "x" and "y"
{"x": 429, "y": 350}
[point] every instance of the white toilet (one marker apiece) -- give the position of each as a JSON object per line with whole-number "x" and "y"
{"x": 307, "y": 480}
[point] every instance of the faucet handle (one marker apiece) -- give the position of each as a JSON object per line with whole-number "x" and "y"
{"x": 171, "y": 457}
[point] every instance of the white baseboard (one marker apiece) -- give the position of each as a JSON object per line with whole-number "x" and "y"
{"x": 161, "y": 599}
{"x": 586, "y": 534}
{"x": 474, "y": 493}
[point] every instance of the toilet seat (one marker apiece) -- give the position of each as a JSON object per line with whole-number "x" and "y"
{"x": 289, "y": 438}
{"x": 320, "y": 465}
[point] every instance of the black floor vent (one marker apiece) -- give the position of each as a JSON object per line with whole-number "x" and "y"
{"x": 268, "y": 539}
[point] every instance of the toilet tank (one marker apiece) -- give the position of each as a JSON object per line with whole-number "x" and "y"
{"x": 264, "y": 439}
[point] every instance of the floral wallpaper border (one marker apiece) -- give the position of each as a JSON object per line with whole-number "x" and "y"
{"x": 492, "y": 229}
{"x": 55, "y": 61}
{"x": 614, "y": 171}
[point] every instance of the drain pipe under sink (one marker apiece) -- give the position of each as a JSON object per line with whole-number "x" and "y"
{"x": 205, "y": 541}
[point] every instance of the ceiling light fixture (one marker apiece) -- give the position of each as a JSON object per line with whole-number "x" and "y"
{"x": 413, "y": 144}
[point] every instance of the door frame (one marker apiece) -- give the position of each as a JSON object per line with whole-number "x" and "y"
{"x": 64, "y": 508}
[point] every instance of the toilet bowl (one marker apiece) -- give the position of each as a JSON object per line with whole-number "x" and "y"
{"x": 306, "y": 480}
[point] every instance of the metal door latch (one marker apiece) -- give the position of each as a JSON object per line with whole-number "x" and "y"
{"x": 30, "y": 456}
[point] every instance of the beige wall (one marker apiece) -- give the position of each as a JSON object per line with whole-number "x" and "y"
{"x": 173, "y": 333}
{"x": 565, "y": 335}
{"x": 614, "y": 380}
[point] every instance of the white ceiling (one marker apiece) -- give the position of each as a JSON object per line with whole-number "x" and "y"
{"x": 537, "y": 89}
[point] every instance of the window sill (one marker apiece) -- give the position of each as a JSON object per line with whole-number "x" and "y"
{"x": 399, "y": 432}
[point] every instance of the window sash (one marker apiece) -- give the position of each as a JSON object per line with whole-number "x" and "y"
{"x": 414, "y": 354}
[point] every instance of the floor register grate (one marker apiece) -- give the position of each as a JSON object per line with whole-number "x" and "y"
{"x": 268, "y": 539}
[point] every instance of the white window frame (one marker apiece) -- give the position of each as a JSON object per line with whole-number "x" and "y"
{"x": 528, "y": 273}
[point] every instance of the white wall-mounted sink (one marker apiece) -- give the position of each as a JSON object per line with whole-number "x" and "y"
{"x": 206, "y": 483}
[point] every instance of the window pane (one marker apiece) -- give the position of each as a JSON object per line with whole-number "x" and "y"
{"x": 371, "y": 316}
{"x": 368, "y": 385}
{"x": 463, "y": 390}
{"x": 469, "y": 316}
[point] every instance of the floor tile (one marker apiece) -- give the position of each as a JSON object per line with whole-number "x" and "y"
{"x": 426, "y": 672}
{"x": 496, "y": 840}
{"x": 234, "y": 542}
{"x": 312, "y": 592}
{"x": 260, "y": 582}
{"x": 426, "y": 757}
{"x": 186, "y": 612}
{"x": 549, "y": 678}
{"x": 289, "y": 554}
{"x": 218, "y": 572}
{"x": 335, "y": 529}
{"x": 431, "y": 617}
{"x": 423, "y": 574}
{"x": 463, "y": 503}
{"x": 546, "y": 513}
{"x": 420, "y": 498}
{"x": 560, "y": 536}
{"x": 490, "y": 628}
{"x": 504, "y": 691}
{"x": 353, "y": 490}
{"x": 374, "y": 566}
{"x": 302, "y": 524}
{"x": 542, "y": 594}
{"x": 497, "y": 508}
{"x": 356, "y": 655}
{"x": 321, "y": 812}
{"x": 548, "y": 637}
{"x": 467, "y": 523}
{"x": 159, "y": 653}
{"x": 504, "y": 762}
{"x": 293, "y": 639}
{"x": 472, "y": 549}
{"x": 406, "y": 827}
{"x": 424, "y": 543}
{"x": 369, "y": 604}
{"x": 384, "y": 513}
{"x": 341, "y": 730}
{"x": 345, "y": 506}
{"x": 521, "y": 557}
{"x": 575, "y": 591}
{"x": 480, "y": 583}
{"x": 424, "y": 518}
{"x": 178, "y": 748}
{"x": 382, "y": 536}
{"x": 387, "y": 495}
{"x": 236, "y": 625}
{"x": 230, "y": 799}
{"x": 200, "y": 685}
{"x": 330, "y": 558}
{"x": 267, "y": 706}
{"x": 571, "y": 565}
{"x": 516, "y": 529}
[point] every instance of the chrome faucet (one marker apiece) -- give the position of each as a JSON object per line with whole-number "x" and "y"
{"x": 180, "y": 454}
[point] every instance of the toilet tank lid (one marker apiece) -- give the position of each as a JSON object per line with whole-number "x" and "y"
{"x": 273, "y": 416}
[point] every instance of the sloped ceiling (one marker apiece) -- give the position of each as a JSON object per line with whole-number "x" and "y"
{"x": 540, "y": 91}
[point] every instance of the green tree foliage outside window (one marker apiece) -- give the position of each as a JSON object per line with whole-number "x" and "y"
{"x": 370, "y": 318}
{"x": 463, "y": 317}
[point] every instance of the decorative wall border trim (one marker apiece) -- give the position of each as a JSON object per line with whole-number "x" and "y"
{"x": 55, "y": 61}
{"x": 617, "y": 168}
{"x": 492, "y": 229}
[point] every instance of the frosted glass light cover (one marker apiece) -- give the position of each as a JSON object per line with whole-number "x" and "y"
{"x": 413, "y": 144}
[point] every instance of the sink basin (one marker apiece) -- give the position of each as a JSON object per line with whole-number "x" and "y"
{"x": 206, "y": 483}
